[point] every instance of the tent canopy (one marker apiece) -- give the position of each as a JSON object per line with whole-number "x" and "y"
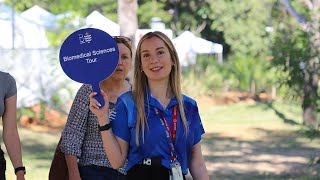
{"x": 27, "y": 34}
{"x": 40, "y": 16}
{"x": 97, "y": 20}
{"x": 188, "y": 46}
{"x": 196, "y": 44}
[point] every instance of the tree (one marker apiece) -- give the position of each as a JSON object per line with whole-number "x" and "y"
{"x": 243, "y": 24}
{"x": 127, "y": 17}
{"x": 303, "y": 59}
{"x": 149, "y": 9}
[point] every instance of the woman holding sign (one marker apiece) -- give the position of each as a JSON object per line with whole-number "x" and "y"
{"x": 81, "y": 140}
{"x": 8, "y": 108}
{"x": 157, "y": 128}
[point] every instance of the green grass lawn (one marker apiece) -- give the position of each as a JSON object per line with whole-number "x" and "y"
{"x": 38, "y": 149}
{"x": 258, "y": 114}
{"x": 235, "y": 135}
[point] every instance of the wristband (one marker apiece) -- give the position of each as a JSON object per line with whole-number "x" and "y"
{"x": 105, "y": 127}
{"x": 20, "y": 168}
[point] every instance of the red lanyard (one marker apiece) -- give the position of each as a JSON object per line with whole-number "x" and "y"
{"x": 172, "y": 134}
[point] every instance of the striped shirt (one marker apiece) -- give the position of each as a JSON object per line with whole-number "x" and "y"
{"x": 81, "y": 136}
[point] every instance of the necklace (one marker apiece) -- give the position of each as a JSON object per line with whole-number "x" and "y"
{"x": 164, "y": 103}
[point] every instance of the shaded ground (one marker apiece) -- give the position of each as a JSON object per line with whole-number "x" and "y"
{"x": 247, "y": 152}
{"x": 231, "y": 151}
{"x": 269, "y": 155}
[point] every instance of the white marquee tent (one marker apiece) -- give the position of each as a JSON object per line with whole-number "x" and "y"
{"x": 188, "y": 46}
{"x": 40, "y": 16}
{"x": 97, "y": 20}
{"x": 27, "y": 33}
{"x": 30, "y": 62}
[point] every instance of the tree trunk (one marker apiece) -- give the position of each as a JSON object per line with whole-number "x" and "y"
{"x": 311, "y": 73}
{"x": 127, "y": 18}
{"x": 309, "y": 98}
{"x": 128, "y": 21}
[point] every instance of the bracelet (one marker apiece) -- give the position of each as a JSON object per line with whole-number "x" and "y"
{"x": 20, "y": 168}
{"x": 105, "y": 127}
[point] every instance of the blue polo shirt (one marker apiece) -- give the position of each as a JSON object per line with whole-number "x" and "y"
{"x": 155, "y": 142}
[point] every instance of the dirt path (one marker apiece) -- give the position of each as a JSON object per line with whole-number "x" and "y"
{"x": 247, "y": 153}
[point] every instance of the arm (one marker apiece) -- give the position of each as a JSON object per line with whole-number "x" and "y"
{"x": 10, "y": 134}
{"x": 72, "y": 167}
{"x": 115, "y": 147}
{"x": 74, "y": 131}
{"x": 198, "y": 168}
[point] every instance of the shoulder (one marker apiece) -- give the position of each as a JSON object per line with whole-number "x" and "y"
{"x": 126, "y": 106}
{"x": 191, "y": 108}
{"x": 8, "y": 84}
{"x": 127, "y": 100}
{"x": 126, "y": 97}
{"x": 188, "y": 101}
{"x": 85, "y": 89}
{"x": 4, "y": 76}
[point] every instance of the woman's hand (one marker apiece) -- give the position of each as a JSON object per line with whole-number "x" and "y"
{"x": 101, "y": 112}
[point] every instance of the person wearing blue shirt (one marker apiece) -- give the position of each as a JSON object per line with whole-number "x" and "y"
{"x": 157, "y": 128}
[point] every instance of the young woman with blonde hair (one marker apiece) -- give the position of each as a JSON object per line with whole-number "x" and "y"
{"x": 157, "y": 128}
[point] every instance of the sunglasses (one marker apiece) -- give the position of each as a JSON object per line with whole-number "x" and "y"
{"x": 123, "y": 39}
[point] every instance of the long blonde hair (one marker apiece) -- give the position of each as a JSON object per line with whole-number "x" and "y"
{"x": 140, "y": 85}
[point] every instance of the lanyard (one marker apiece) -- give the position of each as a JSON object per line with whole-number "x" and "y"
{"x": 171, "y": 136}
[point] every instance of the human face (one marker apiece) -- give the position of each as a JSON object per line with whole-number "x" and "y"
{"x": 156, "y": 60}
{"x": 124, "y": 63}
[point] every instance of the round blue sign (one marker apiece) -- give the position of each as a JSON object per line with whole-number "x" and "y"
{"x": 89, "y": 56}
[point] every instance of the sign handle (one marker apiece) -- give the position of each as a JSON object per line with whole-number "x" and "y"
{"x": 98, "y": 96}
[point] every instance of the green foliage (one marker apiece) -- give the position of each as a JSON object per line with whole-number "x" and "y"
{"x": 190, "y": 15}
{"x": 310, "y": 133}
{"x": 295, "y": 51}
{"x": 291, "y": 50}
{"x": 208, "y": 77}
{"x": 25, "y": 111}
{"x": 251, "y": 73}
{"x": 243, "y": 23}
{"x": 203, "y": 78}
{"x": 290, "y": 55}
{"x": 57, "y": 36}
{"x": 150, "y": 9}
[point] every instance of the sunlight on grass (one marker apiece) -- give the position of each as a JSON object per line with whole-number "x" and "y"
{"x": 277, "y": 115}
{"x": 232, "y": 132}
{"x": 38, "y": 149}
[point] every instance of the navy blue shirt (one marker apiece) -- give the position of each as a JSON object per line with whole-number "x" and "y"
{"x": 155, "y": 142}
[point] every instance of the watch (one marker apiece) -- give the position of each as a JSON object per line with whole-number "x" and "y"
{"x": 20, "y": 168}
{"x": 105, "y": 127}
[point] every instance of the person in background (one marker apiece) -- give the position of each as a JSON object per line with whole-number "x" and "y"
{"x": 81, "y": 141}
{"x": 157, "y": 128}
{"x": 8, "y": 110}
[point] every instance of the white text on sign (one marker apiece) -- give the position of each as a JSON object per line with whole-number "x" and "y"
{"x": 87, "y": 55}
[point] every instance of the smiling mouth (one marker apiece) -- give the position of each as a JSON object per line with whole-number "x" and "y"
{"x": 156, "y": 68}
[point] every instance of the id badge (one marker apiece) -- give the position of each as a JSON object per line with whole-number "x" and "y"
{"x": 176, "y": 172}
